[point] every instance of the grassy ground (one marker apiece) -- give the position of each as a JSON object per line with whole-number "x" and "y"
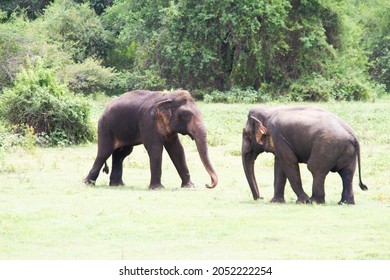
{"x": 47, "y": 213}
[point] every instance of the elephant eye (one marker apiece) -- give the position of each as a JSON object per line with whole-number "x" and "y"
{"x": 186, "y": 116}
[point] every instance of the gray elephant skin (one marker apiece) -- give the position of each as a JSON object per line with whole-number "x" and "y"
{"x": 153, "y": 119}
{"x": 301, "y": 134}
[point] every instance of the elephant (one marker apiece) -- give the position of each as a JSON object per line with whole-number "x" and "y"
{"x": 301, "y": 134}
{"x": 154, "y": 119}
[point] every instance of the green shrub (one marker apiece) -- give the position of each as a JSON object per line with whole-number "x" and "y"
{"x": 13, "y": 136}
{"x": 21, "y": 38}
{"x": 237, "y": 95}
{"x": 145, "y": 79}
{"x": 315, "y": 89}
{"x": 89, "y": 77}
{"x": 380, "y": 62}
{"x": 319, "y": 88}
{"x": 15, "y": 44}
{"x": 375, "y": 18}
{"x": 38, "y": 100}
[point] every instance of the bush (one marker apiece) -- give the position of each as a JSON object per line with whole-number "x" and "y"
{"x": 237, "y": 95}
{"x": 21, "y": 38}
{"x": 380, "y": 62}
{"x": 375, "y": 19}
{"x": 12, "y": 136}
{"x": 319, "y": 88}
{"x": 145, "y": 79}
{"x": 89, "y": 77}
{"x": 15, "y": 44}
{"x": 38, "y": 100}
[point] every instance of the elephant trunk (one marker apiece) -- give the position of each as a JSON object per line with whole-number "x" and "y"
{"x": 248, "y": 162}
{"x": 198, "y": 131}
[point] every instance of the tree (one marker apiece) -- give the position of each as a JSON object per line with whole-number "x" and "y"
{"x": 77, "y": 28}
{"x": 33, "y": 8}
{"x": 220, "y": 45}
{"x": 19, "y": 39}
{"x": 375, "y": 19}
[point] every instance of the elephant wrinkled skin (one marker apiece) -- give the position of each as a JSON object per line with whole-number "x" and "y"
{"x": 301, "y": 134}
{"x": 153, "y": 119}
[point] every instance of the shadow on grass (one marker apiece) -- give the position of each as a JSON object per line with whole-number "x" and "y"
{"x": 119, "y": 188}
{"x": 139, "y": 188}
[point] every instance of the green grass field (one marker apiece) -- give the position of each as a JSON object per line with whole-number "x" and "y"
{"x": 47, "y": 213}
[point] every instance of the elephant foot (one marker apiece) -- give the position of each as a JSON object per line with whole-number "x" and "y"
{"x": 303, "y": 199}
{"x": 257, "y": 197}
{"x": 89, "y": 182}
{"x": 157, "y": 186}
{"x": 347, "y": 201}
{"x": 278, "y": 200}
{"x": 188, "y": 185}
{"x": 115, "y": 183}
{"x": 318, "y": 200}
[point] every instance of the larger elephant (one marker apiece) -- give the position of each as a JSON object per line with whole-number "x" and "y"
{"x": 301, "y": 134}
{"x": 153, "y": 119}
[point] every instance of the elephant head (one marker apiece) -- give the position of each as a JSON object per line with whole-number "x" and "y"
{"x": 256, "y": 138}
{"x": 177, "y": 113}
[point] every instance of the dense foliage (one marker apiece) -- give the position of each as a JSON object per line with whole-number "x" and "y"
{"x": 222, "y": 51}
{"x": 40, "y": 102}
{"x": 376, "y": 38}
{"x": 286, "y": 47}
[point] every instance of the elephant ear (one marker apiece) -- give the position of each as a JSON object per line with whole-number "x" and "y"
{"x": 260, "y": 130}
{"x": 164, "y": 114}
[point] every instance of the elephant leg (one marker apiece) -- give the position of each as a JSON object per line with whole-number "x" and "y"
{"x": 104, "y": 152}
{"x": 321, "y": 161}
{"x": 289, "y": 165}
{"x": 347, "y": 177}
{"x": 176, "y": 153}
{"x": 117, "y": 165}
{"x": 291, "y": 169}
{"x": 155, "y": 158}
{"x": 279, "y": 182}
{"x": 95, "y": 170}
{"x": 318, "y": 188}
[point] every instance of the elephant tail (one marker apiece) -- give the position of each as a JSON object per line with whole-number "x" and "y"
{"x": 361, "y": 185}
{"x": 106, "y": 169}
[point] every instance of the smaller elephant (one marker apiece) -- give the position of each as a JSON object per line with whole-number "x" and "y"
{"x": 301, "y": 134}
{"x": 153, "y": 119}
